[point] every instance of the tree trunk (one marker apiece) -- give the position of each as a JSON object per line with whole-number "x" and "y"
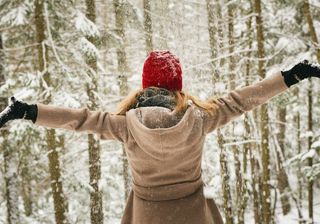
{"x": 231, "y": 41}
{"x": 235, "y": 148}
{"x": 312, "y": 30}
{"x": 11, "y": 180}
{"x": 122, "y": 80}
{"x": 299, "y": 172}
{"x": 220, "y": 30}
{"x": 264, "y": 121}
{"x": 247, "y": 133}
{"x": 310, "y": 162}
{"x": 255, "y": 172}
{"x": 59, "y": 200}
{"x": 212, "y": 29}
{"x": 96, "y": 209}
{"x": 163, "y": 11}
{"x": 147, "y": 25}
{"x": 314, "y": 39}
{"x": 26, "y": 189}
{"x": 282, "y": 177}
{"x": 9, "y": 156}
{"x": 227, "y": 202}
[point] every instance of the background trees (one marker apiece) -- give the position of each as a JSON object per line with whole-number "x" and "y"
{"x": 263, "y": 168}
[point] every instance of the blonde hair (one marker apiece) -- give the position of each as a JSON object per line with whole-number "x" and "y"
{"x": 182, "y": 99}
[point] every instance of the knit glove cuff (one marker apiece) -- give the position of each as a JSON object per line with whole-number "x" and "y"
{"x": 289, "y": 78}
{"x": 31, "y": 113}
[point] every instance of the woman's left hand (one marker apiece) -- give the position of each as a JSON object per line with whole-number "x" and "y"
{"x": 18, "y": 110}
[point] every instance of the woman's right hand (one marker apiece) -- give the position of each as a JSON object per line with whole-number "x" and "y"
{"x": 301, "y": 71}
{"x": 18, "y": 110}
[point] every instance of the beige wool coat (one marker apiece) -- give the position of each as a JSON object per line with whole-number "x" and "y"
{"x": 164, "y": 151}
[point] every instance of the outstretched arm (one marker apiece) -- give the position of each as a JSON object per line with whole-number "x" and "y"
{"x": 106, "y": 125}
{"x": 247, "y": 98}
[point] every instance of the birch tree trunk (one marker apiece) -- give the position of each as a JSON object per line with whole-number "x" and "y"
{"x": 122, "y": 79}
{"x": 10, "y": 165}
{"x": 264, "y": 120}
{"x": 148, "y": 25}
{"x": 96, "y": 208}
{"x": 60, "y": 206}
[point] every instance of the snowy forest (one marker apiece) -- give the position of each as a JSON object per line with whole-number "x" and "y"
{"x": 264, "y": 167}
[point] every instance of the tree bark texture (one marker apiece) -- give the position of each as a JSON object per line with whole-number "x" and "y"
{"x": 122, "y": 80}
{"x": 264, "y": 120}
{"x": 96, "y": 205}
{"x": 60, "y": 206}
{"x": 148, "y": 25}
{"x": 282, "y": 177}
{"x": 227, "y": 201}
{"x": 10, "y": 166}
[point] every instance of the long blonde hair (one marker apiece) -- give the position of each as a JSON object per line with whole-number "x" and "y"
{"x": 182, "y": 99}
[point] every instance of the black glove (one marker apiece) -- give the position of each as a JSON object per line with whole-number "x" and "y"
{"x": 18, "y": 110}
{"x": 300, "y": 71}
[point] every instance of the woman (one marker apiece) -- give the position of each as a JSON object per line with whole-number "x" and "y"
{"x": 163, "y": 130}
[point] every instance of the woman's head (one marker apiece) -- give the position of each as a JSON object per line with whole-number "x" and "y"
{"x": 162, "y": 69}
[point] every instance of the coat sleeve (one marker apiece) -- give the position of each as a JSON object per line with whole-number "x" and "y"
{"x": 104, "y": 124}
{"x": 238, "y": 101}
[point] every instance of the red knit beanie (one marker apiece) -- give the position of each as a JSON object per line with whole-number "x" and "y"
{"x": 162, "y": 69}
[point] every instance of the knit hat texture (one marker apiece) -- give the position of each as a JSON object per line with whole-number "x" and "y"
{"x": 162, "y": 69}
